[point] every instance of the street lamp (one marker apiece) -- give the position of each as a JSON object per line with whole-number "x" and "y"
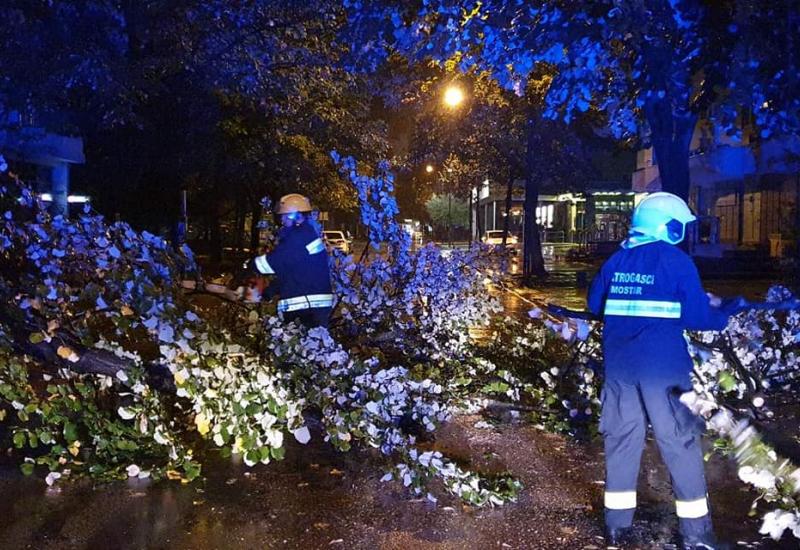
{"x": 453, "y": 96}
{"x": 429, "y": 169}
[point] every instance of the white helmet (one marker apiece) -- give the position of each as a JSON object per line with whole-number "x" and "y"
{"x": 662, "y": 216}
{"x": 294, "y": 202}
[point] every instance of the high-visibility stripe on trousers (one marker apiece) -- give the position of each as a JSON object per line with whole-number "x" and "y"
{"x": 626, "y": 409}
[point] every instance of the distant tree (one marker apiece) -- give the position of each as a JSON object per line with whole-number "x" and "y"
{"x": 490, "y": 136}
{"x": 447, "y": 211}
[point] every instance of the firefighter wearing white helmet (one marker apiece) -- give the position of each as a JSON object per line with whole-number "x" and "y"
{"x": 300, "y": 264}
{"x": 662, "y": 216}
{"x": 294, "y": 203}
{"x": 648, "y": 293}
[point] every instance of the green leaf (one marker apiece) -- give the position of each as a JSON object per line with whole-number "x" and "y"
{"x": 20, "y": 438}
{"x": 70, "y": 432}
{"x": 192, "y": 470}
{"x": 27, "y": 468}
{"x": 278, "y": 453}
{"x": 495, "y": 387}
{"x": 726, "y": 381}
{"x": 45, "y": 436}
{"x": 127, "y": 445}
{"x": 36, "y": 338}
{"x": 253, "y": 456}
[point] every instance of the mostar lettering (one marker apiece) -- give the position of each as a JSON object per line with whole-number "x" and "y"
{"x": 619, "y": 289}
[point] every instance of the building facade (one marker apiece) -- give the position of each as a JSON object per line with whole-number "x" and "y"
{"x": 601, "y": 214}
{"x": 744, "y": 190}
{"x": 48, "y": 154}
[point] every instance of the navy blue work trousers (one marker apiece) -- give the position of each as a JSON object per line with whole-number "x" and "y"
{"x": 627, "y": 407}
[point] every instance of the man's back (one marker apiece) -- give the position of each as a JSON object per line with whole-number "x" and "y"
{"x": 648, "y": 295}
{"x": 301, "y": 263}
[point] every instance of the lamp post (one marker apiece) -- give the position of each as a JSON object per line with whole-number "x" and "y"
{"x": 449, "y": 202}
{"x": 429, "y": 169}
{"x": 453, "y": 98}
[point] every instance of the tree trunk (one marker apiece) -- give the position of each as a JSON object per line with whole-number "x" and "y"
{"x": 740, "y": 212}
{"x": 90, "y": 360}
{"x": 131, "y": 13}
{"x": 671, "y": 135}
{"x": 533, "y": 262}
{"x": 240, "y": 211}
{"x": 796, "y": 232}
{"x": 509, "y": 198}
{"x": 471, "y": 234}
{"x": 478, "y": 227}
{"x": 216, "y": 240}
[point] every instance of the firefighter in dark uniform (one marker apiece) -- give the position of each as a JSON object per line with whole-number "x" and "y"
{"x": 300, "y": 264}
{"x": 648, "y": 293}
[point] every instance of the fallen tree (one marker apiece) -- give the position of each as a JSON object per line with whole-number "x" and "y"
{"x": 109, "y": 369}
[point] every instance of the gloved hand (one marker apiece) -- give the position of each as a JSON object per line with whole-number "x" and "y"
{"x": 734, "y": 305}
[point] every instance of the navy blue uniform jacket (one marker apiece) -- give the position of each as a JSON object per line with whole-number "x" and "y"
{"x": 648, "y": 295}
{"x": 300, "y": 262}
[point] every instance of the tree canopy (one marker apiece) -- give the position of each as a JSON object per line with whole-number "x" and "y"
{"x": 652, "y": 68}
{"x": 231, "y": 103}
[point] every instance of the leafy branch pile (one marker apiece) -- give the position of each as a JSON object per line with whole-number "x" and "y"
{"x": 109, "y": 369}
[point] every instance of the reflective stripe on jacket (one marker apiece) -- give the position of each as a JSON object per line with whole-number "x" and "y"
{"x": 648, "y": 295}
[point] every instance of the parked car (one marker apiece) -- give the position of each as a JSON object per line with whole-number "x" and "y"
{"x": 495, "y": 237}
{"x": 337, "y": 239}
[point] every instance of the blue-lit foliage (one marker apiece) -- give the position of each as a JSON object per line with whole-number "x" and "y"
{"x": 108, "y": 369}
{"x": 661, "y": 62}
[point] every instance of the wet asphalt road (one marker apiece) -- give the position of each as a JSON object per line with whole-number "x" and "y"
{"x": 318, "y": 498}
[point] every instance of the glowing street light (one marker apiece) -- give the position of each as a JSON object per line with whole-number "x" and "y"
{"x": 429, "y": 168}
{"x": 453, "y": 96}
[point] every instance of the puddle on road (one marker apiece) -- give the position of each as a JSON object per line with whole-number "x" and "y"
{"x": 307, "y": 500}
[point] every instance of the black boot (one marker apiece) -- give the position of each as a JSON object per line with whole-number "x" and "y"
{"x": 703, "y": 542}
{"x": 617, "y": 536}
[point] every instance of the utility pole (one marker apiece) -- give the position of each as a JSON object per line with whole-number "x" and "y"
{"x": 182, "y": 226}
{"x": 449, "y": 239}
